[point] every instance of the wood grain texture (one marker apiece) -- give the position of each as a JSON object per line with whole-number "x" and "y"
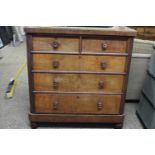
{"x": 74, "y": 82}
{"x": 75, "y": 93}
{"x": 85, "y": 31}
{"x": 127, "y": 66}
{"x": 96, "y": 45}
{"x": 80, "y": 63}
{"x": 84, "y": 53}
{"x": 76, "y": 118}
{"x": 29, "y": 68}
{"x": 145, "y": 32}
{"x": 65, "y": 44}
{"x": 80, "y": 104}
{"x": 78, "y": 74}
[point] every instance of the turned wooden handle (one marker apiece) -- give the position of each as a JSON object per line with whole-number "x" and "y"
{"x": 104, "y": 45}
{"x": 55, "y": 44}
{"x": 55, "y": 84}
{"x": 55, "y": 105}
{"x": 101, "y": 84}
{"x": 55, "y": 64}
{"x": 99, "y": 105}
{"x": 103, "y": 65}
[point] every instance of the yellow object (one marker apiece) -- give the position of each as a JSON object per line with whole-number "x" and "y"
{"x": 13, "y": 82}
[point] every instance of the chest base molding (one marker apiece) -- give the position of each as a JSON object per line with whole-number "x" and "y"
{"x": 116, "y": 120}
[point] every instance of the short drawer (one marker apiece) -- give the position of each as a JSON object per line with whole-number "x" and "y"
{"x": 55, "y": 44}
{"x": 92, "y": 45}
{"x": 78, "y": 82}
{"x": 79, "y": 63}
{"x": 80, "y": 104}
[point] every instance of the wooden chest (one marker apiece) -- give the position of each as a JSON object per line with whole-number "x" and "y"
{"x": 78, "y": 75}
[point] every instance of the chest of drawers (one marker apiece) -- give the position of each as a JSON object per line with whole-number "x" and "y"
{"x": 78, "y": 75}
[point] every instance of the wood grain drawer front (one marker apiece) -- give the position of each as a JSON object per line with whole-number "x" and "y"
{"x": 78, "y": 82}
{"x": 90, "y": 45}
{"x": 47, "y": 103}
{"x": 78, "y": 63}
{"x": 55, "y": 44}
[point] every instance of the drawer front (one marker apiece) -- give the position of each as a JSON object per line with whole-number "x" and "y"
{"x": 55, "y": 44}
{"x": 78, "y": 82}
{"x": 90, "y": 45}
{"x": 78, "y": 63}
{"x": 80, "y": 104}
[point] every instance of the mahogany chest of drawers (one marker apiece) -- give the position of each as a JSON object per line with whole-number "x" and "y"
{"x": 78, "y": 75}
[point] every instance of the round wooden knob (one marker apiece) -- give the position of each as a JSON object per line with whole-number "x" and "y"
{"x": 99, "y": 105}
{"x": 55, "y": 105}
{"x": 55, "y": 64}
{"x": 101, "y": 84}
{"x": 104, "y": 46}
{"x": 103, "y": 65}
{"x": 55, "y": 44}
{"x": 55, "y": 84}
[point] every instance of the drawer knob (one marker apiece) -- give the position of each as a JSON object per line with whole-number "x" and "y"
{"x": 103, "y": 65}
{"x": 101, "y": 84}
{"x": 55, "y": 64}
{"x": 55, "y": 105}
{"x": 104, "y": 46}
{"x": 55, "y": 84}
{"x": 55, "y": 44}
{"x": 99, "y": 105}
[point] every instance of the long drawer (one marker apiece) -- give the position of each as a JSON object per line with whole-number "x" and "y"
{"x": 74, "y": 44}
{"x": 78, "y": 82}
{"x": 79, "y": 104}
{"x": 79, "y": 63}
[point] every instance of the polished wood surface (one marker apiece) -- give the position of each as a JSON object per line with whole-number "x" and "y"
{"x": 80, "y": 104}
{"x": 101, "y": 45}
{"x": 80, "y": 63}
{"x": 64, "y": 44}
{"x": 81, "y": 82}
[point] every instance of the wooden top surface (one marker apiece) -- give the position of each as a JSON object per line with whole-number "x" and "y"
{"x": 117, "y": 31}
